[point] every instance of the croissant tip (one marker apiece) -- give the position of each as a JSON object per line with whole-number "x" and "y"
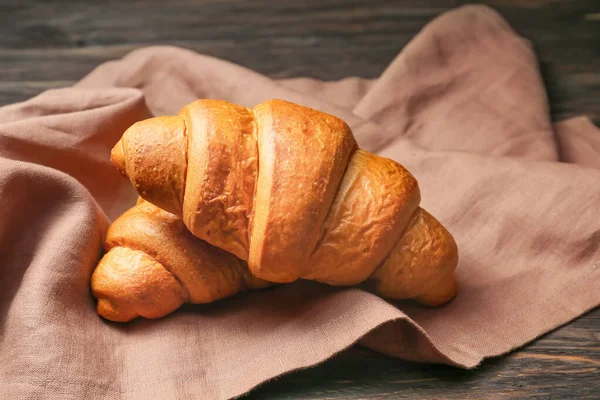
{"x": 112, "y": 312}
{"x": 118, "y": 158}
{"x": 441, "y": 294}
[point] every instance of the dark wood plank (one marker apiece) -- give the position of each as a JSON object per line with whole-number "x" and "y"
{"x": 331, "y": 39}
{"x": 54, "y": 43}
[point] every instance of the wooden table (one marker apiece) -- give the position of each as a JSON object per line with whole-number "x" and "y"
{"x": 55, "y": 43}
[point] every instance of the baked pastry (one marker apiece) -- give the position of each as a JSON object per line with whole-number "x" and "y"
{"x": 153, "y": 265}
{"x": 286, "y": 188}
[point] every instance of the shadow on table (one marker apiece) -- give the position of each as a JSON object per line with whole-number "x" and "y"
{"x": 361, "y": 373}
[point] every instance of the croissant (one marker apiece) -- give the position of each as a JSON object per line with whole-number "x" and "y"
{"x": 153, "y": 265}
{"x": 286, "y": 188}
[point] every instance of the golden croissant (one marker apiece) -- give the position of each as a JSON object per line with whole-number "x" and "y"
{"x": 287, "y": 189}
{"x": 154, "y": 264}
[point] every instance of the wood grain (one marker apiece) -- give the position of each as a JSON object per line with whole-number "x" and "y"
{"x": 54, "y": 43}
{"x": 565, "y": 364}
{"x": 43, "y": 44}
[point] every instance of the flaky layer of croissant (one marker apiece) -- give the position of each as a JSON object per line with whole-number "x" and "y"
{"x": 153, "y": 265}
{"x": 286, "y": 188}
